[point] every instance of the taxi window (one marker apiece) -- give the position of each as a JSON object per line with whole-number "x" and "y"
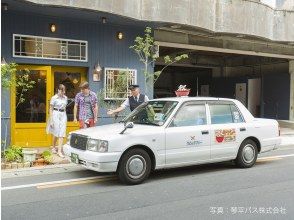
{"x": 190, "y": 115}
{"x": 237, "y": 117}
{"x": 220, "y": 114}
{"x": 224, "y": 114}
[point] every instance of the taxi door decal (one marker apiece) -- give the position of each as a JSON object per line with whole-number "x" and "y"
{"x": 225, "y": 135}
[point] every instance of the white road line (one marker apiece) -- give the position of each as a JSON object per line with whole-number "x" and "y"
{"x": 52, "y": 182}
{"x": 277, "y": 156}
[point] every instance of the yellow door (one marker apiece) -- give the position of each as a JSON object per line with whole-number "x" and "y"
{"x": 28, "y": 118}
{"x": 71, "y": 78}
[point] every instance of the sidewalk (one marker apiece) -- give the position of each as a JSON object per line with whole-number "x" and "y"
{"x": 41, "y": 170}
{"x": 286, "y": 134}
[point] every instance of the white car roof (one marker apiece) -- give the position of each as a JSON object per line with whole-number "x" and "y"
{"x": 183, "y": 99}
{"x": 246, "y": 114}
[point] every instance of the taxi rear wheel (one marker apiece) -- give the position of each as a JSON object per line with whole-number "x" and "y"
{"x": 247, "y": 154}
{"x": 134, "y": 167}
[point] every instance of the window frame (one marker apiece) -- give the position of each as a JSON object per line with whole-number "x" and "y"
{"x": 50, "y": 38}
{"x": 119, "y": 69}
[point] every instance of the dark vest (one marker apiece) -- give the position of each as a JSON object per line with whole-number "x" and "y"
{"x": 133, "y": 103}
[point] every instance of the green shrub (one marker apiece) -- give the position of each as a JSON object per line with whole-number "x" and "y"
{"x": 9, "y": 155}
{"x": 13, "y": 154}
{"x": 47, "y": 155}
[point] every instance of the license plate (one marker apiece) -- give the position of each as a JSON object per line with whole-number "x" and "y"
{"x": 74, "y": 158}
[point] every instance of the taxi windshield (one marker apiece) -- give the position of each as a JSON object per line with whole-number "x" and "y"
{"x": 152, "y": 113}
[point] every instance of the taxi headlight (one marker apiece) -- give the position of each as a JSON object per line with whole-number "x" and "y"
{"x": 92, "y": 144}
{"x": 103, "y": 146}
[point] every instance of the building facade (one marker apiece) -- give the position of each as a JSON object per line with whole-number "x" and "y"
{"x": 237, "y": 49}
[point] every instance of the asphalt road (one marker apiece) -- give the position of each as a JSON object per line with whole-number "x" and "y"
{"x": 215, "y": 191}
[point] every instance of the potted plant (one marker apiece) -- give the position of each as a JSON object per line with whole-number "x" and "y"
{"x": 13, "y": 155}
{"x": 29, "y": 155}
{"x": 182, "y": 91}
{"x": 9, "y": 156}
{"x": 48, "y": 157}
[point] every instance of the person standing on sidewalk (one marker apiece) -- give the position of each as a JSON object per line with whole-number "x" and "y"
{"x": 86, "y": 103}
{"x": 132, "y": 101}
{"x": 58, "y": 119}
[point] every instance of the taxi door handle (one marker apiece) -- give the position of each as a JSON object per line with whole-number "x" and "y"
{"x": 205, "y": 132}
{"x": 242, "y": 129}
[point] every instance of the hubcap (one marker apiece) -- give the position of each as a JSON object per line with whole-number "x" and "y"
{"x": 248, "y": 153}
{"x": 136, "y": 166}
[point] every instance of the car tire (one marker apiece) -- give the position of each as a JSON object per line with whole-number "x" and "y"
{"x": 134, "y": 167}
{"x": 247, "y": 154}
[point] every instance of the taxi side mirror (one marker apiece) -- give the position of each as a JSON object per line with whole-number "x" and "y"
{"x": 127, "y": 125}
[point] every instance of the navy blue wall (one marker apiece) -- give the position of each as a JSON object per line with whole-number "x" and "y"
{"x": 225, "y": 87}
{"x": 275, "y": 93}
{"x": 102, "y": 45}
{"x": 276, "y": 96}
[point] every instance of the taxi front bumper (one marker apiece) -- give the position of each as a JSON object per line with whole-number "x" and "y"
{"x": 100, "y": 162}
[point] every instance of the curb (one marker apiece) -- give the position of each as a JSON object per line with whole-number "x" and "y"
{"x": 41, "y": 170}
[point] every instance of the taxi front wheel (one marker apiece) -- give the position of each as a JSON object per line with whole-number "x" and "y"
{"x": 247, "y": 154}
{"x": 134, "y": 167}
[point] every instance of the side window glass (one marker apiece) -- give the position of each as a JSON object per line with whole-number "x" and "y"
{"x": 190, "y": 115}
{"x": 237, "y": 117}
{"x": 220, "y": 114}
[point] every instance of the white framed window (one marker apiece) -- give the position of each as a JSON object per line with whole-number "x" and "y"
{"x": 117, "y": 81}
{"x": 28, "y": 46}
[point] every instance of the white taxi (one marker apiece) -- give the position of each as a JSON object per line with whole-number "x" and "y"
{"x": 174, "y": 132}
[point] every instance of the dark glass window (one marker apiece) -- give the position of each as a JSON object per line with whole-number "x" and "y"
{"x": 33, "y": 109}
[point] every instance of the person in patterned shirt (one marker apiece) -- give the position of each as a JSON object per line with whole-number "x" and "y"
{"x": 86, "y": 104}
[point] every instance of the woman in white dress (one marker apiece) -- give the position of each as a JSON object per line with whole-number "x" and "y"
{"x": 58, "y": 119}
